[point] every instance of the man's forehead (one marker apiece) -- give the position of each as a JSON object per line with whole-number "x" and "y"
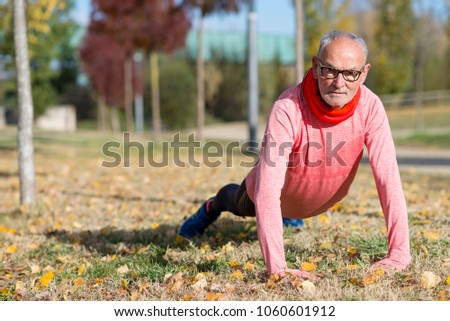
{"x": 343, "y": 50}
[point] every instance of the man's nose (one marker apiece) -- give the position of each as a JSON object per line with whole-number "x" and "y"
{"x": 339, "y": 81}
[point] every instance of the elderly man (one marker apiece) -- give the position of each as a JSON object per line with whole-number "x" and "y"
{"x": 312, "y": 147}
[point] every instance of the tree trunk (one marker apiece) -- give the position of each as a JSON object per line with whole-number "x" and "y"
{"x": 128, "y": 93}
{"x": 25, "y": 128}
{"x": 154, "y": 83}
{"x": 102, "y": 114}
{"x": 200, "y": 84}
{"x": 299, "y": 64}
{"x": 115, "y": 119}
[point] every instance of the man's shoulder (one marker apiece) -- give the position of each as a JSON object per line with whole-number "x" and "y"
{"x": 291, "y": 93}
{"x": 368, "y": 95}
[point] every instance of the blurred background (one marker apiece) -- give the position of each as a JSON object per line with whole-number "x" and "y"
{"x": 116, "y": 65}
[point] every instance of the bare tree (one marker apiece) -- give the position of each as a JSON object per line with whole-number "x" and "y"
{"x": 25, "y": 130}
{"x": 299, "y": 65}
{"x": 206, "y": 7}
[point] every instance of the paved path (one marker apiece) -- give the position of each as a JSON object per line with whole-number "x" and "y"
{"x": 424, "y": 160}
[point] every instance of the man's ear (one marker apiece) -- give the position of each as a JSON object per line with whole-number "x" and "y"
{"x": 365, "y": 73}
{"x": 315, "y": 64}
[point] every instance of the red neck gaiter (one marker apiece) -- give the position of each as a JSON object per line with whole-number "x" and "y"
{"x": 318, "y": 105}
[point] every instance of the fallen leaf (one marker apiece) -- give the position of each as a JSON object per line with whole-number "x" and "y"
{"x": 237, "y": 275}
{"x": 306, "y": 266}
{"x": 212, "y": 296}
{"x": 230, "y": 288}
{"x": 200, "y": 282}
{"x": 11, "y": 249}
{"x": 233, "y": 264}
{"x": 249, "y": 267}
{"x": 429, "y": 280}
{"x": 227, "y": 248}
{"x": 176, "y": 286}
{"x": 308, "y": 286}
{"x": 81, "y": 269}
{"x": 123, "y": 269}
{"x": 352, "y": 250}
{"x": 431, "y": 236}
{"x": 35, "y": 269}
{"x": 46, "y": 279}
{"x": 78, "y": 282}
{"x": 448, "y": 280}
{"x": 154, "y": 226}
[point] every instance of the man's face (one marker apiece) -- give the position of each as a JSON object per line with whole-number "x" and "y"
{"x": 340, "y": 54}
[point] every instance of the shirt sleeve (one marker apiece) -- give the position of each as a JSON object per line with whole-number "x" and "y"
{"x": 382, "y": 157}
{"x": 270, "y": 177}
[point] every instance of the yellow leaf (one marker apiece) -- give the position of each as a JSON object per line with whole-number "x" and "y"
{"x": 325, "y": 246}
{"x": 11, "y": 249}
{"x": 431, "y": 236}
{"x": 81, "y": 269}
{"x": 373, "y": 277}
{"x": 352, "y": 267}
{"x": 233, "y": 264}
{"x": 352, "y": 250}
{"x": 78, "y": 282}
{"x": 212, "y": 296}
{"x": 379, "y": 271}
{"x": 448, "y": 280}
{"x": 306, "y": 266}
{"x": 46, "y": 279}
{"x": 187, "y": 298}
{"x": 179, "y": 240}
{"x": 336, "y": 207}
{"x": 204, "y": 248}
{"x": 237, "y": 275}
{"x": 154, "y": 226}
{"x": 227, "y": 248}
{"x": 324, "y": 219}
{"x": 5, "y": 292}
{"x": 249, "y": 267}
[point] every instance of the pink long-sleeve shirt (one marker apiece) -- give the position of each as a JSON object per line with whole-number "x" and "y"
{"x": 306, "y": 165}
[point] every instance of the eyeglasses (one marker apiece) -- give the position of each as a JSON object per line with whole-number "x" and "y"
{"x": 331, "y": 73}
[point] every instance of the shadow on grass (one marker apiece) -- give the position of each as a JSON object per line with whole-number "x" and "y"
{"x": 127, "y": 242}
{"x": 4, "y": 174}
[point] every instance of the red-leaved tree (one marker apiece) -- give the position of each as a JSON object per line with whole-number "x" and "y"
{"x": 150, "y": 25}
{"x": 103, "y": 61}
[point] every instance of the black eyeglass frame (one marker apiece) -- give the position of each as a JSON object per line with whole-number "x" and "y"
{"x": 341, "y": 72}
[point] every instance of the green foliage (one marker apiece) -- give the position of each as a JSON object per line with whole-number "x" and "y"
{"x": 394, "y": 49}
{"x": 177, "y": 93}
{"x": 229, "y": 102}
{"x": 49, "y": 36}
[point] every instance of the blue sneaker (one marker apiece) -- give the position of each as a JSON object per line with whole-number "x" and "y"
{"x": 197, "y": 223}
{"x": 293, "y": 222}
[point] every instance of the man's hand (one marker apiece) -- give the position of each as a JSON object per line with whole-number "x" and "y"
{"x": 388, "y": 265}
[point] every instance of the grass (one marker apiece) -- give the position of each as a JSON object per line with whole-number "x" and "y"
{"x": 410, "y": 117}
{"x": 426, "y": 140}
{"x": 111, "y": 234}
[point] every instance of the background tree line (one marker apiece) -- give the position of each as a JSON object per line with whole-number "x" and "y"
{"x": 408, "y": 43}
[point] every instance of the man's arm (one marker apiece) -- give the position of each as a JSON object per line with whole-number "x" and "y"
{"x": 385, "y": 170}
{"x": 270, "y": 176}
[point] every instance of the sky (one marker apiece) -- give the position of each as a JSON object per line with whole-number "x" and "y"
{"x": 273, "y": 16}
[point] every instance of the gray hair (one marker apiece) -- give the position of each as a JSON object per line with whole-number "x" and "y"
{"x": 335, "y": 34}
